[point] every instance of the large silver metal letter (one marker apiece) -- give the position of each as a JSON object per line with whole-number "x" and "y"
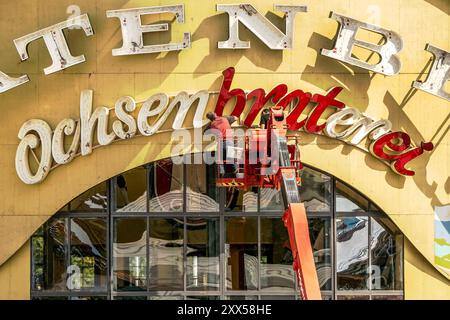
{"x": 124, "y": 105}
{"x": 7, "y": 82}
{"x": 346, "y": 39}
{"x": 439, "y": 74}
{"x": 357, "y": 122}
{"x": 259, "y": 25}
{"x": 133, "y": 30}
{"x": 65, "y": 128}
{"x": 147, "y": 112}
{"x": 32, "y": 134}
{"x": 56, "y": 43}
{"x": 88, "y": 121}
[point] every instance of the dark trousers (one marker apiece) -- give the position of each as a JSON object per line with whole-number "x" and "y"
{"x": 228, "y": 168}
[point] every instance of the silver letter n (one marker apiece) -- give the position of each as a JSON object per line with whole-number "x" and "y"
{"x": 259, "y": 25}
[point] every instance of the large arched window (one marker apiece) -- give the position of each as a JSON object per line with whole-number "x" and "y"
{"x": 164, "y": 231}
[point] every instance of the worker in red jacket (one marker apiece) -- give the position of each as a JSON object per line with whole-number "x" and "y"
{"x": 222, "y": 127}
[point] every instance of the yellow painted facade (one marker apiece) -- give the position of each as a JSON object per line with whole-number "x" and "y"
{"x": 409, "y": 201}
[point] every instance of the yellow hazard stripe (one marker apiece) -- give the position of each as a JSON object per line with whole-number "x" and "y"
{"x": 231, "y": 184}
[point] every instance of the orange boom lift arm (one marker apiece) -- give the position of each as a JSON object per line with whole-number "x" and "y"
{"x": 267, "y": 160}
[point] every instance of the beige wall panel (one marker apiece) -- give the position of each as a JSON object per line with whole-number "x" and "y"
{"x": 15, "y": 276}
{"x": 422, "y": 281}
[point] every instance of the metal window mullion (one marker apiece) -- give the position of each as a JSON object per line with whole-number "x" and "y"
{"x": 147, "y": 179}
{"x": 109, "y": 238}
{"x": 184, "y": 174}
{"x": 258, "y": 286}
{"x": 32, "y": 272}
{"x": 62, "y": 215}
{"x": 258, "y": 202}
{"x": 68, "y": 247}
{"x": 333, "y": 240}
{"x": 185, "y": 254}
{"x": 369, "y": 252}
{"x": 147, "y": 254}
{"x": 222, "y": 258}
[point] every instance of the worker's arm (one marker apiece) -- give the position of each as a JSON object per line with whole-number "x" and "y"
{"x": 208, "y": 126}
{"x": 232, "y": 119}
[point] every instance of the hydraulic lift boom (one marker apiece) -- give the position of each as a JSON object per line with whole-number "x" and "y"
{"x": 283, "y": 173}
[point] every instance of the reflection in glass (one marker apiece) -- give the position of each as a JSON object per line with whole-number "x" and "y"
{"x": 129, "y": 298}
{"x": 277, "y": 297}
{"x": 131, "y": 194}
{"x": 50, "y": 298}
{"x": 386, "y": 256}
{"x": 326, "y": 296}
{"x": 130, "y": 254}
{"x": 276, "y": 257}
{"x": 89, "y": 298}
{"x": 201, "y": 192}
{"x": 387, "y": 297}
{"x": 165, "y": 186}
{"x": 271, "y": 200}
{"x": 166, "y": 254}
{"x": 37, "y": 259}
{"x": 241, "y": 252}
{"x": 93, "y": 200}
{"x": 242, "y": 297}
{"x": 320, "y": 235}
{"x": 315, "y": 190}
{"x": 165, "y": 298}
{"x": 353, "y": 297}
{"x": 202, "y": 298}
{"x": 348, "y": 200}
{"x": 240, "y": 200}
{"x": 352, "y": 236}
{"x": 49, "y": 256}
{"x": 203, "y": 250}
{"x": 88, "y": 252}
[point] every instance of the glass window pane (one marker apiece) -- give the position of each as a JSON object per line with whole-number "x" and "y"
{"x": 129, "y": 298}
{"x": 50, "y": 298}
{"x": 271, "y": 200}
{"x": 89, "y": 298}
{"x": 49, "y": 257}
{"x": 277, "y": 297}
{"x": 315, "y": 191}
{"x": 202, "y": 298}
{"x": 88, "y": 254}
{"x": 165, "y": 298}
{"x": 352, "y": 236}
{"x": 386, "y": 255}
{"x": 201, "y": 193}
{"x": 320, "y": 235}
{"x": 166, "y": 254}
{"x": 37, "y": 256}
{"x": 130, "y": 254}
{"x": 165, "y": 186}
{"x": 327, "y": 296}
{"x": 277, "y": 273}
{"x": 131, "y": 191}
{"x": 203, "y": 251}
{"x": 238, "y": 200}
{"x": 242, "y": 297}
{"x": 93, "y": 200}
{"x": 348, "y": 200}
{"x": 387, "y": 297}
{"x": 241, "y": 251}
